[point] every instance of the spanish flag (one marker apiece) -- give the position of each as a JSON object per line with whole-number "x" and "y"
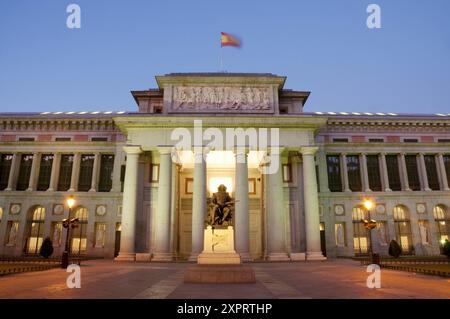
{"x": 229, "y": 40}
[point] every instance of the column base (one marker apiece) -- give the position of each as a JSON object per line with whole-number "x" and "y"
{"x": 297, "y": 256}
{"x": 446, "y": 189}
{"x": 50, "y": 190}
{"x": 162, "y": 257}
{"x": 278, "y": 257}
{"x": 143, "y": 257}
{"x": 8, "y": 189}
{"x": 427, "y": 189}
{"x": 193, "y": 257}
{"x": 126, "y": 257}
{"x": 71, "y": 190}
{"x": 245, "y": 257}
{"x": 313, "y": 255}
{"x": 388, "y": 190}
{"x": 407, "y": 189}
{"x": 29, "y": 190}
{"x": 92, "y": 190}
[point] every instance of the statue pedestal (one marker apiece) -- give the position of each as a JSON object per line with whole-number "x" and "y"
{"x": 219, "y": 262}
{"x": 219, "y": 247}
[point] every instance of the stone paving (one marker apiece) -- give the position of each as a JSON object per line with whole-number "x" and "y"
{"x": 337, "y": 278}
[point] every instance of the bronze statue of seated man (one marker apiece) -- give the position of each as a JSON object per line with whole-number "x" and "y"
{"x": 222, "y": 208}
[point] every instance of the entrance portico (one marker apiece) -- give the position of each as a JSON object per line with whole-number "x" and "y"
{"x": 270, "y": 203}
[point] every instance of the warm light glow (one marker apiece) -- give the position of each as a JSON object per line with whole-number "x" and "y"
{"x": 368, "y": 204}
{"x": 214, "y": 183}
{"x": 70, "y": 201}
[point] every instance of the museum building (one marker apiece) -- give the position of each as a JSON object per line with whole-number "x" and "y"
{"x": 134, "y": 201}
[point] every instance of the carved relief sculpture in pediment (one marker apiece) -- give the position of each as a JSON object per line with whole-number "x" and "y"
{"x": 221, "y": 98}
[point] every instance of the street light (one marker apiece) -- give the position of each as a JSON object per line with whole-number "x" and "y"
{"x": 68, "y": 223}
{"x": 370, "y": 224}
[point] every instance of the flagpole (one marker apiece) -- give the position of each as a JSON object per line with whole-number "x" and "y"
{"x": 221, "y": 58}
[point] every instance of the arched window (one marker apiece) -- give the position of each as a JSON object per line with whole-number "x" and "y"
{"x": 442, "y": 219}
{"x": 78, "y": 238}
{"x": 361, "y": 240}
{"x": 403, "y": 228}
{"x": 34, "y": 230}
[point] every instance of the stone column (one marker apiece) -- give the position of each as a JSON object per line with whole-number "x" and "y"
{"x": 95, "y": 172}
{"x": 241, "y": 220}
{"x": 34, "y": 172}
{"x": 344, "y": 172}
{"x": 54, "y": 174}
{"x": 323, "y": 174}
{"x": 384, "y": 173}
{"x": 13, "y": 172}
{"x": 162, "y": 251}
{"x": 276, "y": 242}
{"x": 127, "y": 237}
{"x": 442, "y": 172}
{"x": 404, "y": 173}
{"x": 75, "y": 172}
{"x": 311, "y": 198}
{"x": 423, "y": 173}
{"x": 198, "y": 203}
{"x": 364, "y": 173}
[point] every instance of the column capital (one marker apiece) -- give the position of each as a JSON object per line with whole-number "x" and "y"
{"x": 309, "y": 150}
{"x": 132, "y": 150}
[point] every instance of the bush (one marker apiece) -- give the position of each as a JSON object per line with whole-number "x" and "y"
{"x": 446, "y": 248}
{"x": 394, "y": 249}
{"x": 46, "y": 248}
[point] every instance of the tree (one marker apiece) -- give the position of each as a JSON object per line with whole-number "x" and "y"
{"x": 46, "y": 248}
{"x": 446, "y": 248}
{"x": 394, "y": 249}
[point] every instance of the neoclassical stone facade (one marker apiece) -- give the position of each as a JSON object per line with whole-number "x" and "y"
{"x": 139, "y": 197}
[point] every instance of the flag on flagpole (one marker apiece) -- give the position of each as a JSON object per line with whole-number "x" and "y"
{"x": 229, "y": 40}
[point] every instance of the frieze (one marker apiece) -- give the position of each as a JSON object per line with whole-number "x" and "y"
{"x": 220, "y": 98}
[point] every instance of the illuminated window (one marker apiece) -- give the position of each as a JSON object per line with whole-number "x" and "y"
{"x": 403, "y": 228}
{"x": 442, "y": 220}
{"x": 78, "y": 238}
{"x": 35, "y": 230}
{"x": 361, "y": 239}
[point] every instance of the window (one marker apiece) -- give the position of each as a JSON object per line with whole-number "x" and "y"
{"x": 361, "y": 240}
{"x": 34, "y": 230}
{"x": 24, "y": 172}
{"x": 339, "y": 231}
{"x": 106, "y": 171}
{"x": 5, "y": 167}
{"x": 340, "y": 140}
{"x": 122, "y": 177}
{"x": 410, "y": 140}
{"x": 26, "y": 139}
{"x": 447, "y": 167}
{"x": 413, "y": 172}
{"x": 442, "y": 220}
{"x": 354, "y": 173}
{"x": 376, "y": 140}
{"x": 45, "y": 172}
{"x": 403, "y": 228}
{"x": 100, "y": 234}
{"x": 65, "y": 172}
{"x": 78, "y": 238}
{"x": 444, "y": 140}
{"x": 99, "y": 139}
{"x": 334, "y": 173}
{"x": 1, "y": 214}
{"x": 393, "y": 172}
{"x": 373, "y": 171}
{"x": 85, "y": 176}
{"x": 63, "y": 139}
{"x": 430, "y": 164}
{"x": 12, "y": 229}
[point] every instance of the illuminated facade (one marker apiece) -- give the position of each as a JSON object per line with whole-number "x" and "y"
{"x": 135, "y": 203}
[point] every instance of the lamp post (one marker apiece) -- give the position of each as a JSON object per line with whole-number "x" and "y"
{"x": 370, "y": 224}
{"x": 67, "y": 223}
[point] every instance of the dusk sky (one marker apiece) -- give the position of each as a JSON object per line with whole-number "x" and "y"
{"x": 321, "y": 46}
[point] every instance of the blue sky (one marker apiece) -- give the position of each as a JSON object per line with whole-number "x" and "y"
{"x": 321, "y": 46}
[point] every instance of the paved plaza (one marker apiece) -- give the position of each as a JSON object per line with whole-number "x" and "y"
{"x": 339, "y": 278}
